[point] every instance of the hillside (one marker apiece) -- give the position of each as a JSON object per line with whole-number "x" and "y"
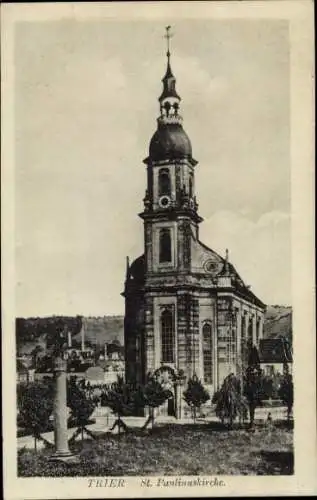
{"x": 278, "y": 322}
{"x": 31, "y": 332}
{"x": 105, "y": 329}
{"x": 99, "y": 330}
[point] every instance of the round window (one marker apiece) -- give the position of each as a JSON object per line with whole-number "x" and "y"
{"x": 210, "y": 266}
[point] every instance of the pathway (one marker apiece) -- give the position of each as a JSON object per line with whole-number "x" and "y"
{"x": 105, "y": 420}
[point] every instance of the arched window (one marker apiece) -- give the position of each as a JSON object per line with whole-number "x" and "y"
{"x": 164, "y": 182}
{"x": 244, "y": 350}
{"x": 207, "y": 353}
{"x": 258, "y": 326}
{"x": 167, "y": 336}
{"x": 165, "y": 246}
{"x": 250, "y": 330}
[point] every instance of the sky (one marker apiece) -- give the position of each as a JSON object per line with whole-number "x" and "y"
{"x": 85, "y": 110}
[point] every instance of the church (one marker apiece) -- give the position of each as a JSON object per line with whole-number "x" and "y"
{"x": 187, "y": 310}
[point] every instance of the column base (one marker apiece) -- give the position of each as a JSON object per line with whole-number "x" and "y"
{"x": 64, "y": 456}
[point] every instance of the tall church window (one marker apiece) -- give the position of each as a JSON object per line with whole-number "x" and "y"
{"x": 167, "y": 336}
{"x": 257, "y": 332}
{"x": 244, "y": 339}
{"x": 231, "y": 345}
{"x": 164, "y": 182}
{"x": 165, "y": 245}
{"x": 191, "y": 185}
{"x": 250, "y": 330}
{"x": 207, "y": 353}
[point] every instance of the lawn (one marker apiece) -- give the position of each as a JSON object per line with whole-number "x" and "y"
{"x": 174, "y": 449}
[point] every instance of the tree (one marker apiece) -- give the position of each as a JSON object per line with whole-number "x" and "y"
{"x": 229, "y": 401}
{"x": 253, "y": 382}
{"x": 35, "y": 353}
{"x": 286, "y": 391}
{"x": 151, "y": 395}
{"x": 28, "y": 329}
{"x": 35, "y": 402}
{"x": 195, "y": 395}
{"x": 119, "y": 398}
{"x": 56, "y": 329}
{"x": 81, "y": 408}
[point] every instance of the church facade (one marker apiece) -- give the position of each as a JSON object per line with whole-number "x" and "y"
{"x": 187, "y": 310}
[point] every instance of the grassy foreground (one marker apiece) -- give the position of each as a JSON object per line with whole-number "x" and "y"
{"x": 174, "y": 449}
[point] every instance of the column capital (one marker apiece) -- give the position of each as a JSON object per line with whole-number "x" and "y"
{"x": 60, "y": 365}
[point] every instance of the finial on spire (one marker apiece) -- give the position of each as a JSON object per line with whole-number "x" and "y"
{"x": 168, "y": 36}
{"x": 169, "y": 99}
{"x": 227, "y": 255}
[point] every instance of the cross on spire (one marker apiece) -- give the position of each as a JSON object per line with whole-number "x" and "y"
{"x": 168, "y": 36}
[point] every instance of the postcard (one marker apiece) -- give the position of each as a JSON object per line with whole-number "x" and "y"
{"x": 157, "y": 249}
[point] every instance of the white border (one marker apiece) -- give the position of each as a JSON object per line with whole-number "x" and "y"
{"x": 300, "y": 15}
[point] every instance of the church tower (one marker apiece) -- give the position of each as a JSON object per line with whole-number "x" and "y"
{"x": 182, "y": 306}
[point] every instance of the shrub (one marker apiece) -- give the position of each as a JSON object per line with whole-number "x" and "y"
{"x": 81, "y": 407}
{"x": 195, "y": 395}
{"x": 229, "y": 401}
{"x": 35, "y": 402}
{"x": 119, "y": 397}
{"x": 152, "y": 395}
{"x": 286, "y": 393}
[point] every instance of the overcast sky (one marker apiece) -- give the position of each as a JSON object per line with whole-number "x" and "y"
{"x": 86, "y": 106}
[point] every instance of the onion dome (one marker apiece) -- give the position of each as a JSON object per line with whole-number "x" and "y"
{"x": 170, "y": 141}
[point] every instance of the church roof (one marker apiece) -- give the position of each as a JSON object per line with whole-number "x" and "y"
{"x": 137, "y": 269}
{"x": 170, "y": 141}
{"x": 169, "y": 82}
{"x": 137, "y": 273}
{"x": 202, "y": 256}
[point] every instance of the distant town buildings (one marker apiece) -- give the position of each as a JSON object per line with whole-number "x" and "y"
{"x": 96, "y": 364}
{"x": 274, "y": 354}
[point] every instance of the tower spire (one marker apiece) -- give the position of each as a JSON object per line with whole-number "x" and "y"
{"x": 169, "y": 99}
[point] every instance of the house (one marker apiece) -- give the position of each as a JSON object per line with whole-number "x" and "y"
{"x": 112, "y": 370}
{"x": 77, "y": 370}
{"x": 24, "y": 373}
{"x": 274, "y": 354}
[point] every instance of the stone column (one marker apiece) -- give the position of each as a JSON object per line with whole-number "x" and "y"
{"x": 182, "y": 340}
{"x": 60, "y": 411}
{"x": 179, "y": 402}
{"x": 195, "y": 335}
{"x": 253, "y": 319}
{"x": 244, "y": 338}
{"x": 150, "y": 347}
